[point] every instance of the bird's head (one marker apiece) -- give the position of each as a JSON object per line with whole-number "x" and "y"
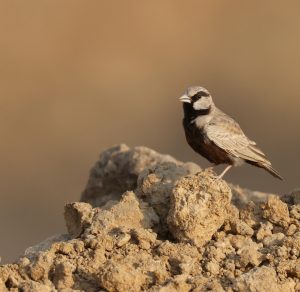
{"x": 197, "y": 98}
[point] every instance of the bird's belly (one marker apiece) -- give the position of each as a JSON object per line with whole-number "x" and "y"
{"x": 206, "y": 148}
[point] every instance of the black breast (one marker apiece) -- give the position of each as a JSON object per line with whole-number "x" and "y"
{"x": 197, "y": 140}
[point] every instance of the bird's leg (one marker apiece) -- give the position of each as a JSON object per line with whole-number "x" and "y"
{"x": 225, "y": 170}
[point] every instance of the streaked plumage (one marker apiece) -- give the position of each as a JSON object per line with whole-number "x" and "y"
{"x": 216, "y": 136}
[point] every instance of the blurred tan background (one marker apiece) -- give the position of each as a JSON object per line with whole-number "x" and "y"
{"x": 79, "y": 76}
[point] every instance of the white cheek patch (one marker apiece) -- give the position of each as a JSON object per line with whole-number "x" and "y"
{"x": 197, "y": 105}
{"x": 201, "y": 104}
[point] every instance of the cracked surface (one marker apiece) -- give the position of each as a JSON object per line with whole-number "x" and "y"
{"x": 150, "y": 222}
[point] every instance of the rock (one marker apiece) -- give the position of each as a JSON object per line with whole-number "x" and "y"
{"x": 261, "y": 279}
{"x": 45, "y": 245}
{"x": 212, "y": 267}
{"x": 241, "y": 196}
{"x": 274, "y": 239}
{"x": 31, "y": 286}
{"x": 251, "y": 214}
{"x": 198, "y": 208}
{"x": 152, "y": 223}
{"x": 155, "y": 185}
{"x": 123, "y": 239}
{"x": 63, "y": 275}
{"x": 125, "y": 214}
{"x": 264, "y": 230}
{"x": 276, "y": 211}
{"x": 249, "y": 254}
{"x": 117, "y": 171}
{"x": 179, "y": 283}
{"x": 182, "y": 258}
{"x": 77, "y": 217}
{"x": 295, "y": 211}
{"x": 145, "y": 238}
{"x": 116, "y": 276}
{"x": 2, "y": 286}
{"x": 291, "y": 229}
{"x": 241, "y": 227}
{"x": 295, "y": 194}
{"x": 39, "y": 268}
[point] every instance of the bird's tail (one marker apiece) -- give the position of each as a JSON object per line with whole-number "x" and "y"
{"x": 271, "y": 170}
{"x": 264, "y": 163}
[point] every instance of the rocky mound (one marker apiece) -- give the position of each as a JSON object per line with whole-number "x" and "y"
{"x": 149, "y": 222}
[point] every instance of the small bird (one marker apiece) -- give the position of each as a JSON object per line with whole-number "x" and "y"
{"x": 216, "y": 136}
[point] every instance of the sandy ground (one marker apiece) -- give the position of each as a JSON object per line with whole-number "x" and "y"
{"x": 148, "y": 222}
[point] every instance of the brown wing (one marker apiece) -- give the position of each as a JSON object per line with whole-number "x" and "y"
{"x": 227, "y": 134}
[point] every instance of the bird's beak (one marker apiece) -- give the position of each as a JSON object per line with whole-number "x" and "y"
{"x": 185, "y": 98}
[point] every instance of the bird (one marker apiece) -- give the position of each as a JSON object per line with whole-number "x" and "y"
{"x": 216, "y": 136}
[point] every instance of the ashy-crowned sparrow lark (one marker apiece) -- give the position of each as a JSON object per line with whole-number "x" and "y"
{"x": 216, "y": 136}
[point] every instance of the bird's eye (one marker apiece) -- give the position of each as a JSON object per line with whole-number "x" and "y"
{"x": 198, "y": 95}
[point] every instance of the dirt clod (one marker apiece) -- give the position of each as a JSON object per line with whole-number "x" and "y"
{"x": 198, "y": 208}
{"x": 148, "y": 222}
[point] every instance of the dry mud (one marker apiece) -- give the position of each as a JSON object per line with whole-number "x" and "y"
{"x": 148, "y": 222}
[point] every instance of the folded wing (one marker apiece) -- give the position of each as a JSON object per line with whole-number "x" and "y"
{"x": 224, "y": 132}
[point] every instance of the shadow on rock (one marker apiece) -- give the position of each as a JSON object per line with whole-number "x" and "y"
{"x": 148, "y": 222}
